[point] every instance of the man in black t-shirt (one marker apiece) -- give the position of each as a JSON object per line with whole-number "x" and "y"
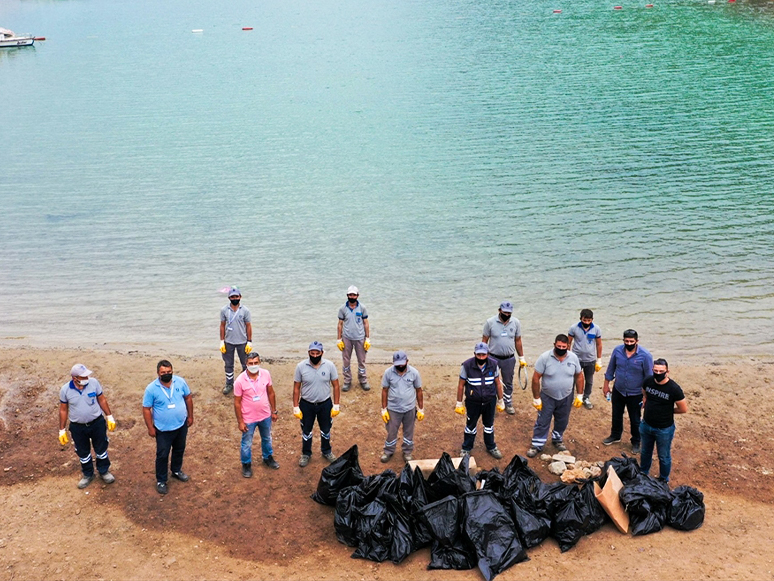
{"x": 662, "y": 399}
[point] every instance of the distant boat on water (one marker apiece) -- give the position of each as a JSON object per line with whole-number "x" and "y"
{"x": 9, "y": 39}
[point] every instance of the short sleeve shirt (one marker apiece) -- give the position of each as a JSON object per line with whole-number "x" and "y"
{"x": 353, "y": 328}
{"x": 82, "y": 405}
{"x": 236, "y": 324}
{"x": 315, "y": 383}
{"x": 502, "y": 336}
{"x": 584, "y": 343}
{"x": 558, "y": 377}
{"x": 402, "y": 394}
{"x": 255, "y": 399}
{"x": 167, "y": 404}
{"x": 660, "y": 402}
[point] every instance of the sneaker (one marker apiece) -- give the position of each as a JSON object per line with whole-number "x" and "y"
{"x": 108, "y": 478}
{"x": 636, "y": 448}
{"x": 532, "y": 452}
{"x": 385, "y": 458}
{"x": 161, "y": 487}
{"x": 271, "y": 463}
{"x": 509, "y": 409}
{"x": 495, "y": 453}
{"x": 560, "y": 446}
{"x": 181, "y": 476}
{"x": 329, "y": 457}
{"x": 228, "y": 389}
{"x": 365, "y": 386}
{"x": 407, "y": 457}
{"x": 304, "y": 460}
{"x": 85, "y": 481}
{"x": 464, "y": 453}
{"x": 611, "y": 440}
{"x": 346, "y": 387}
{"x": 588, "y": 405}
{"x": 247, "y": 469}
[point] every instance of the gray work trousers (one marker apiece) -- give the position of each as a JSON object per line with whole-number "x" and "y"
{"x": 407, "y": 420}
{"x": 346, "y": 358}
{"x": 556, "y": 409}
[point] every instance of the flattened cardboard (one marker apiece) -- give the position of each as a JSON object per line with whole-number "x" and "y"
{"x": 608, "y": 498}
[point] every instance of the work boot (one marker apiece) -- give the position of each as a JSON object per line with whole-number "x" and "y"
{"x": 611, "y": 440}
{"x": 181, "y": 476}
{"x": 560, "y": 446}
{"x": 588, "y": 405}
{"x": 247, "y": 469}
{"x": 271, "y": 463}
{"x": 108, "y": 478}
{"x": 229, "y": 388}
{"x": 346, "y": 387}
{"x": 161, "y": 487}
{"x": 636, "y": 448}
{"x": 329, "y": 457}
{"x": 464, "y": 453}
{"x": 303, "y": 460}
{"x": 509, "y": 409}
{"x": 532, "y": 452}
{"x": 85, "y": 481}
{"x": 407, "y": 457}
{"x": 385, "y": 458}
{"x": 365, "y": 386}
{"x": 495, "y": 453}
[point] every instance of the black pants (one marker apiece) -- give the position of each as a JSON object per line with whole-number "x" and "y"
{"x": 165, "y": 441}
{"x": 485, "y": 411}
{"x": 588, "y": 374}
{"x": 84, "y": 437}
{"x": 322, "y": 413}
{"x": 633, "y": 405}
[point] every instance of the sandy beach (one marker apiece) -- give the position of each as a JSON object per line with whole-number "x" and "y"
{"x": 222, "y": 526}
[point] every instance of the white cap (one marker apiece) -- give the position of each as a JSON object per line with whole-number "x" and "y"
{"x": 353, "y": 290}
{"x": 80, "y": 370}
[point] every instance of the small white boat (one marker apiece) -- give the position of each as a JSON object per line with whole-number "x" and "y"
{"x": 8, "y": 39}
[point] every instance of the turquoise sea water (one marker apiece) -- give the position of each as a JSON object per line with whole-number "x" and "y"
{"x": 443, "y": 156}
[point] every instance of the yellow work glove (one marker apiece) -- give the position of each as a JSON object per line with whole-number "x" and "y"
{"x": 500, "y": 405}
{"x": 578, "y": 401}
{"x": 63, "y": 437}
{"x": 297, "y": 412}
{"x": 222, "y": 346}
{"x": 598, "y": 365}
{"x": 522, "y": 361}
{"x": 367, "y": 344}
{"x": 420, "y": 415}
{"x": 537, "y": 404}
{"x": 385, "y": 415}
{"x": 111, "y": 422}
{"x": 248, "y": 347}
{"x": 459, "y": 408}
{"x": 335, "y": 411}
{"x": 340, "y": 345}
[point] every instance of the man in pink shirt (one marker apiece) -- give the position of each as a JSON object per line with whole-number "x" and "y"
{"x": 255, "y": 407}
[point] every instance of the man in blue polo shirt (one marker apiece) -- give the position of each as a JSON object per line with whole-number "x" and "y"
{"x": 82, "y": 402}
{"x": 630, "y": 364}
{"x": 167, "y": 408}
{"x": 586, "y": 342}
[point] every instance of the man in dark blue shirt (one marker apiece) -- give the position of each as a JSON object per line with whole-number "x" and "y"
{"x": 629, "y": 365}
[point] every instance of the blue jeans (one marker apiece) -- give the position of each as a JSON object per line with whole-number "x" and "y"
{"x": 662, "y": 438}
{"x": 264, "y": 429}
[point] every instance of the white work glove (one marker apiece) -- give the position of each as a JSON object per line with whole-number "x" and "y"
{"x": 537, "y": 404}
{"x": 459, "y": 408}
{"x": 63, "y": 437}
{"x": 297, "y": 412}
{"x": 248, "y": 347}
{"x": 522, "y": 361}
{"x": 335, "y": 411}
{"x": 222, "y": 346}
{"x": 598, "y": 365}
{"x": 500, "y": 405}
{"x": 385, "y": 415}
{"x": 111, "y": 423}
{"x": 578, "y": 401}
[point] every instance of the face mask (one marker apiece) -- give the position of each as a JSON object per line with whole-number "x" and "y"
{"x": 560, "y": 352}
{"x": 659, "y": 377}
{"x": 253, "y": 368}
{"x": 352, "y": 300}
{"x": 481, "y": 362}
{"x": 315, "y": 360}
{"x": 166, "y": 377}
{"x": 235, "y": 302}
{"x": 400, "y": 368}
{"x": 585, "y": 326}
{"x": 83, "y": 382}
{"x": 505, "y": 316}
{"x": 631, "y": 347}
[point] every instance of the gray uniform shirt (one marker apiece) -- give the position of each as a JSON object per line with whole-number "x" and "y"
{"x": 402, "y": 394}
{"x": 82, "y": 405}
{"x": 584, "y": 343}
{"x": 353, "y": 328}
{"x": 315, "y": 383}
{"x": 558, "y": 376}
{"x": 502, "y": 337}
{"x": 236, "y": 324}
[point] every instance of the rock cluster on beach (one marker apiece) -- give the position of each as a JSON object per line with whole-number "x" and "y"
{"x": 570, "y": 469}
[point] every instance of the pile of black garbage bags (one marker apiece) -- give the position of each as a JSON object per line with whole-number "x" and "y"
{"x": 387, "y": 517}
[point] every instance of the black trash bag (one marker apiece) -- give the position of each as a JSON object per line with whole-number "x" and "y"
{"x": 532, "y": 529}
{"x": 627, "y": 469}
{"x": 421, "y": 534}
{"x": 570, "y": 516}
{"x": 520, "y": 479}
{"x": 686, "y": 511}
{"x": 344, "y": 471}
{"x": 399, "y": 524}
{"x": 445, "y": 480}
{"x": 345, "y": 517}
{"x": 374, "y": 534}
{"x": 492, "y": 532}
{"x": 450, "y": 548}
{"x": 597, "y": 514}
{"x": 492, "y": 480}
{"x": 647, "y": 501}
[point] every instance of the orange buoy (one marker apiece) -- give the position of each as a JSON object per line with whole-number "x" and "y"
{"x": 557, "y": 11}
{"x": 247, "y": 28}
